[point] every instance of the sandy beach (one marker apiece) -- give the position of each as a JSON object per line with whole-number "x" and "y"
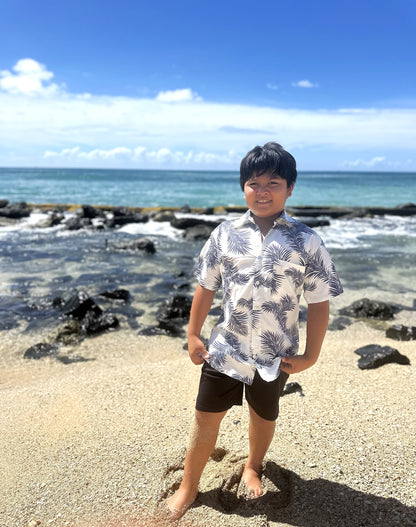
{"x": 101, "y": 442}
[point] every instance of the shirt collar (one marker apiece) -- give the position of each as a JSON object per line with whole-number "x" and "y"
{"x": 283, "y": 219}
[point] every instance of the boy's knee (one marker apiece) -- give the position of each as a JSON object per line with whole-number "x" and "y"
{"x": 208, "y": 418}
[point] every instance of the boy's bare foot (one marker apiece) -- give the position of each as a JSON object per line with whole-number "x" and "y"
{"x": 252, "y": 480}
{"x": 180, "y": 502}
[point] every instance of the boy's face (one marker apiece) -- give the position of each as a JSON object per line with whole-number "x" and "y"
{"x": 266, "y": 195}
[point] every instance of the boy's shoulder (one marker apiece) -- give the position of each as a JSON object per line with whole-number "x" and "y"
{"x": 245, "y": 220}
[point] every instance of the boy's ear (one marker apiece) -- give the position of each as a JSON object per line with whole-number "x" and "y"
{"x": 290, "y": 190}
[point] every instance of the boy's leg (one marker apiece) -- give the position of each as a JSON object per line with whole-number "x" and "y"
{"x": 201, "y": 444}
{"x": 263, "y": 400}
{"x": 261, "y": 432}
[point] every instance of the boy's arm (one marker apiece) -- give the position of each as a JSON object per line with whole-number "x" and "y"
{"x": 316, "y": 325}
{"x": 201, "y": 305}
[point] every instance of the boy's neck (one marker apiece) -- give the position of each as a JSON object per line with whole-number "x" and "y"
{"x": 265, "y": 224}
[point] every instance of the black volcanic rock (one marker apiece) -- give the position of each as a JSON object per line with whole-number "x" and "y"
{"x": 366, "y": 308}
{"x": 38, "y": 351}
{"x": 374, "y": 356}
{"x": 401, "y": 332}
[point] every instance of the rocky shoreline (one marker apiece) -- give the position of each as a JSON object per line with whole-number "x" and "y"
{"x": 81, "y": 314}
{"x": 115, "y": 217}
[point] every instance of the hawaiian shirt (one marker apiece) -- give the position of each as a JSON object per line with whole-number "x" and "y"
{"x": 262, "y": 280}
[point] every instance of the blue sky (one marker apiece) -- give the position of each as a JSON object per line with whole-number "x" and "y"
{"x": 189, "y": 84}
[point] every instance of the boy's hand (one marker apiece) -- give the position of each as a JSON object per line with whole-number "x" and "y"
{"x": 296, "y": 364}
{"x": 197, "y": 351}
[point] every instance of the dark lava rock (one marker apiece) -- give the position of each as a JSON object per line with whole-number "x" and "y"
{"x": 16, "y": 211}
{"x": 175, "y": 314}
{"x": 87, "y": 211}
{"x": 3, "y": 203}
{"x": 117, "y": 294}
{"x": 123, "y": 216}
{"x": 90, "y": 316}
{"x": 374, "y": 356}
{"x": 366, "y": 308}
{"x": 163, "y": 215}
{"x": 70, "y": 359}
{"x": 315, "y": 222}
{"x": 198, "y": 232}
{"x": 400, "y": 332}
{"x": 152, "y": 331}
{"x": 52, "y": 219}
{"x": 293, "y": 387}
{"x": 70, "y": 332}
{"x": 144, "y": 244}
{"x": 96, "y": 324}
{"x": 179, "y": 306}
{"x": 186, "y": 223}
{"x": 339, "y": 323}
{"x": 77, "y": 222}
{"x": 79, "y": 305}
{"x": 41, "y": 350}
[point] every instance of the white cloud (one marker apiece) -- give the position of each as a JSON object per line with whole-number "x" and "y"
{"x": 74, "y": 129}
{"x": 304, "y": 84}
{"x": 370, "y": 163}
{"x": 30, "y": 78}
{"x": 272, "y": 86}
{"x": 185, "y": 94}
{"x": 161, "y": 156}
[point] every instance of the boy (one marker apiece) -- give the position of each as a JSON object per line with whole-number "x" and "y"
{"x": 263, "y": 260}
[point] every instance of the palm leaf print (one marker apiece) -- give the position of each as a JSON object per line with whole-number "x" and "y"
{"x": 293, "y": 336}
{"x": 234, "y": 346}
{"x": 335, "y": 286}
{"x": 295, "y": 239}
{"x": 254, "y": 314}
{"x": 280, "y": 309}
{"x": 316, "y": 271}
{"x": 274, "y": 253}
{"x": 296, "y": 275}
{"x": 238, "y": 241}
{"x": 212, "y": 258}
{"x": 218, "y": 355}
{"x": 272, "y": 281}
{"x": 238, "y": 322}
{"x": 232, "y": 272}
{"x": 272, "y": 345}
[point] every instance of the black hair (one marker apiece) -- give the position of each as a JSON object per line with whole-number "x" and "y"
{"x": 271, "y": 157}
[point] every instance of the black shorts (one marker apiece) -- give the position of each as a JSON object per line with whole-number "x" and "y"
{"x": 219, "y": 392}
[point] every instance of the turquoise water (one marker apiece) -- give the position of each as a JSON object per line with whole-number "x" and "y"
{"x": 144, "y": 188}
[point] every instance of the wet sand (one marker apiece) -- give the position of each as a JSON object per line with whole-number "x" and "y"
{"x": 101, "y": 442}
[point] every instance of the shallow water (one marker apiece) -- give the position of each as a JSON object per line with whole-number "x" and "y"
{"x": 375, "y": 257}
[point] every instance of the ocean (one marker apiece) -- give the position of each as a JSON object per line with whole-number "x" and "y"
{"x": 375, "y": 256}
{"x": 153, "y": 188}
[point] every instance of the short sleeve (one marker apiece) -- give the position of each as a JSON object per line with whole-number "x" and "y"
{"x": 321, "y": 278}
{"x": 208, "y": 267}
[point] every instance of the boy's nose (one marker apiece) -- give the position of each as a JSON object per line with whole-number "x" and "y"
{"x": 261, "y": 189}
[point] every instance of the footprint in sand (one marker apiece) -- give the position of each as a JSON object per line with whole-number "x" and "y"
{"x": 221, "y": 486}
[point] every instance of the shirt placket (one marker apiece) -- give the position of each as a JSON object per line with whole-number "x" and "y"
{"x": 258, "y": 297}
